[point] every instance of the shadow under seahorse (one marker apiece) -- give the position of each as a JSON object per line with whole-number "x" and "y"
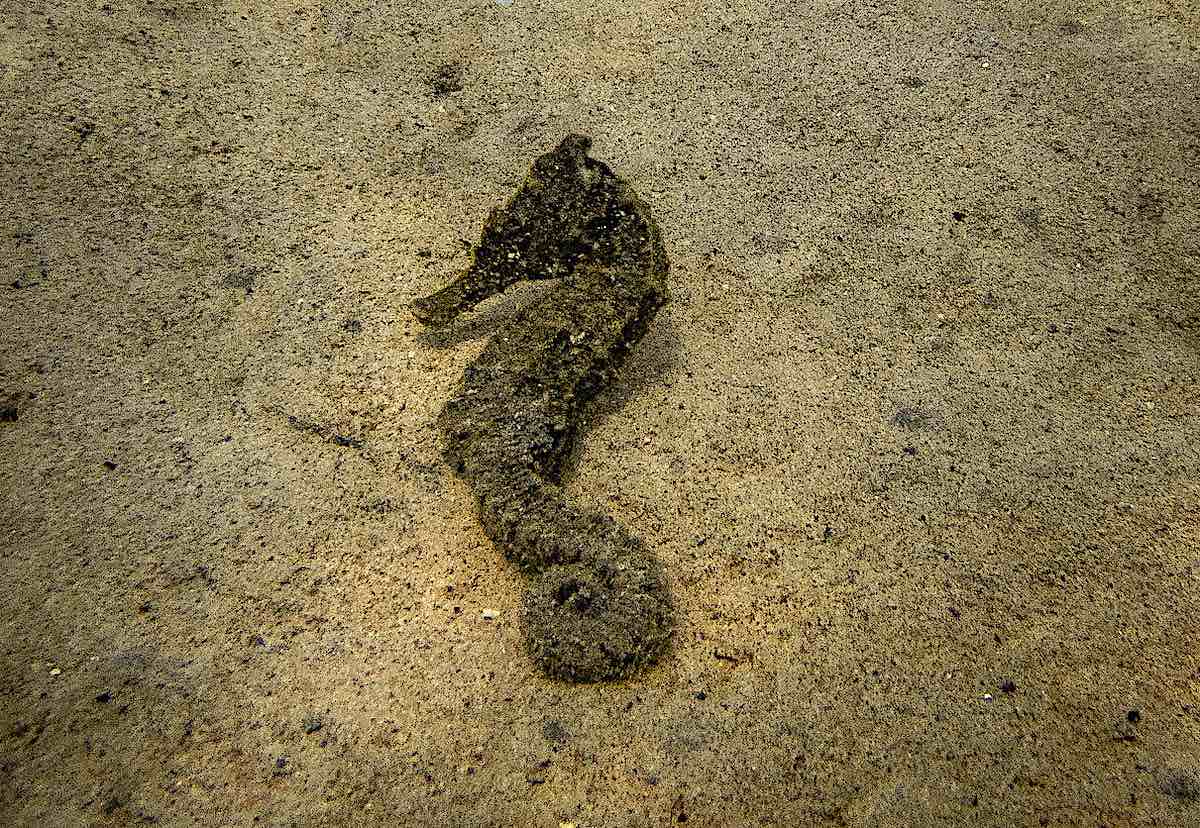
{"x": 598, "y": 605}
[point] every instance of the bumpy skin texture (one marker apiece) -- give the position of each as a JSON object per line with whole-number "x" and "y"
{"x": 598, "y": 605}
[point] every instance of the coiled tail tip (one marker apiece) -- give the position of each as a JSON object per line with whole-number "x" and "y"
{"x": 588, "y": 623}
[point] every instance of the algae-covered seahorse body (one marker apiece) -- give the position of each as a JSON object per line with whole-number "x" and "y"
{"x": 598, "y": 605}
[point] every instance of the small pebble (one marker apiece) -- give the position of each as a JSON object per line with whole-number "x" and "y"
{"x": 56, "y": 672}
{"x": 987, "y": 696}
{"x": 490, "y": 615}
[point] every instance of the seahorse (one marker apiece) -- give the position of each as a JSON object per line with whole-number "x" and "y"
{"x": 598, "y": 605}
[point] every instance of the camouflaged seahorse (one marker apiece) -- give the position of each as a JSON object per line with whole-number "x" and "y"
{"x": 598, "y": 605}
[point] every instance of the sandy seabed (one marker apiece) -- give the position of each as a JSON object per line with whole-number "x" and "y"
{"x": 915, "y": 440}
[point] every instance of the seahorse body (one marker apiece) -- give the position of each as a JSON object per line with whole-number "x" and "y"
{"x": 598, "y": 605}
